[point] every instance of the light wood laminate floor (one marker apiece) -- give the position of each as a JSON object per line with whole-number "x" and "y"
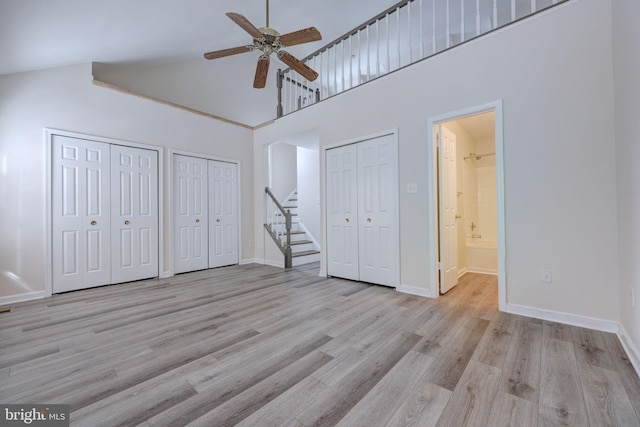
{"x": 259, "y": 346}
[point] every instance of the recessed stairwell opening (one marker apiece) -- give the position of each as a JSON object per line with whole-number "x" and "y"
{"x": 292, "y": 201}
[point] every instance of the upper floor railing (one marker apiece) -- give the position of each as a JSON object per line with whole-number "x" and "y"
{"x": 407, "y": 33}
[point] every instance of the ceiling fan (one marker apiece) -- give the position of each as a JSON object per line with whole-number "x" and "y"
{"x": 269, "y": 41}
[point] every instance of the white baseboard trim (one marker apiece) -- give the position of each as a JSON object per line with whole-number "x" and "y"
{"x": 632, "y": 351}
{"x": 279, "y": 264}
{"x": 29, "y": 296}
{"x": 583, "y": 322}
{"x": 414, "y": 290}
{"x": 165, "y": 275}
{"x": 462, "y": 272}
{"x": 251, "y": 261}
{"x": 482, "y": 271}
{"x": 566, "y": 318}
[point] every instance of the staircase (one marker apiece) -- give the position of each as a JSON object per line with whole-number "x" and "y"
{"x": 303, "y": 249}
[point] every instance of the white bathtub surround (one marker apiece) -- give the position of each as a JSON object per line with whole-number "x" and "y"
{"x": 482, "y": 256}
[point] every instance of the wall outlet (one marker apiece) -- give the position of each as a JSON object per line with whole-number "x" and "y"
{"x": 546, "y": 276}
{"x": 412, "y": 188}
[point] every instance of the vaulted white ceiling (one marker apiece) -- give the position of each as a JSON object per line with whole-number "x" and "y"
{"x": 167, "y": 38}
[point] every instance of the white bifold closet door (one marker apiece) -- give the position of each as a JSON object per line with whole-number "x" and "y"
{"x": 362, "y": 205}
{"x": 95, "y": 186}
{"x": 205, "y": 213}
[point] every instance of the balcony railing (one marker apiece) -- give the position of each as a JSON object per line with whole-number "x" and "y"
{"x": 407, "y": 33}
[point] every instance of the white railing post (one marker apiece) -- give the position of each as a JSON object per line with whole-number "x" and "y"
{"x": 398, "y": 36}
{"x": 478, "y": 29}
{"x": 386, "y": 20}
{"x": 462, "y": 38}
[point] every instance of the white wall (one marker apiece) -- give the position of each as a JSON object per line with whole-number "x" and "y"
{"x": 65, "y": 99}
{"x": 284, "y": 176}
{"x": 554, "y": 75}
{"x": 626, "y": 45}
{"x": 222, "y": 87}
{"x": 309, "y": 190}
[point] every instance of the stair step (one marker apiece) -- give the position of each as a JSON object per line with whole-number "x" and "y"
{"x": 290, "y": 207}
{"x": 293, "y": 214}
{"x": 301, "y": 242}
{"x": 298, "y": 232}
{"x": 298, "y": 254}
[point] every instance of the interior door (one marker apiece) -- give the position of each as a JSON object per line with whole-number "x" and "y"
{"x": 81, "y": 246}
{"x": 190, "y": 214}
{"x": 223, "y": 213}
{"x": 134, "y": 214}
{"x": 342, "y": 212}
{"x": 448, "y": 210}
{"x": 377, "y": 204}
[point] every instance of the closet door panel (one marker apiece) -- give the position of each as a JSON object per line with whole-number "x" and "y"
{"x": 223, "y": 214}
{"x": 342, "y": 212}
{"x": 377, "y": 196}
{"x": 134, "y": 216}
{"x": 80, "y": 214}
{"x": 190, "y": 214}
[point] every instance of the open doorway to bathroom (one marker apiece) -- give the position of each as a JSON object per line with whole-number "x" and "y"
{"x": 468, "y": 205}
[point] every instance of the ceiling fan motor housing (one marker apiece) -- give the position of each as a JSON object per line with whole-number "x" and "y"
{"x": 270, "y": 43}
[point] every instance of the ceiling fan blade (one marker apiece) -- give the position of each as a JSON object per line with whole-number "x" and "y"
{"x": 245, "y": 25}
{"x": 297, "y": 65}
{"x": 307, "y": 35}
{"x": 228, "y": 52}
{"x": 262, "y": 70}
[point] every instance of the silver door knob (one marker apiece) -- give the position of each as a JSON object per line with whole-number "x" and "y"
{"x": 126, "y": 222}
{"x": 218, "y": 220}
{"x": 346, "y": 220}
{"x": 368, "y": 219}
{"x": 94, "y": 222}
{"x": 197, "y": 221}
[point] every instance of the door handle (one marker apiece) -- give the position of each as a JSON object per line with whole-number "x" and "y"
{"x": 126, "y": 222}
{"x": 94, "y": 222}
{"x": 368, "y": 219}
{"x": 197, "y": 221}
{"x": 218, "y": 220}
{"x": 346, "y": 220}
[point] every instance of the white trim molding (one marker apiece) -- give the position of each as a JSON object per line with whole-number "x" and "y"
{"x": 584, "y": 322}
{"x": 632, "y": 351}
{"x": 565, "y": 318}
{"x": 250, "y": 261}
{"x": 432, "y": 186}
{"x": 414, "y": 290}
{"x": 28, "y": 296}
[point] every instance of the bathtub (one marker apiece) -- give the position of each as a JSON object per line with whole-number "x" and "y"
{"x": 482, "y": 256}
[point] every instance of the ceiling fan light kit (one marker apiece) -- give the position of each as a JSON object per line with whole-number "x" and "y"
{"x": 268, "y": 41}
